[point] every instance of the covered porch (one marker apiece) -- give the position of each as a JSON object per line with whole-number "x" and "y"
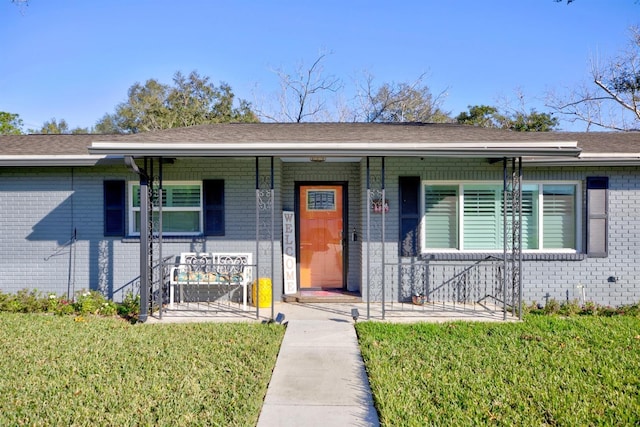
{"x": 387, "y": 279}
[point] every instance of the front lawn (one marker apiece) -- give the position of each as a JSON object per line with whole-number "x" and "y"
{"x": 66, "y": 370}
{"x": 543, "y": 371}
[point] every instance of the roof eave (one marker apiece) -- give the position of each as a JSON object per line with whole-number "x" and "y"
{"x": 592, "y": 159}
{"x": 52, "y": 160}
{"x": 339, "y": 149}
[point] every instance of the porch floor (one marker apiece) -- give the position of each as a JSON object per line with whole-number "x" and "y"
{"x": 336, "y": 311}
{"x": 324, "y": 296}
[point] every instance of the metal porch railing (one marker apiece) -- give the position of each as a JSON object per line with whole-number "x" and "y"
{"x": 448, "y": 285}
{"x": 208, "y": 287}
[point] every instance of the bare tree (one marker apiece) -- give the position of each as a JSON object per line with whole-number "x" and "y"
{"x": 614, "y": 100}
{"x": 399, "y": 102}
{"x": 303, "y": 93}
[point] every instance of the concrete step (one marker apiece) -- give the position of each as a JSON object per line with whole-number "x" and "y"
{"x": 323, "y": 296}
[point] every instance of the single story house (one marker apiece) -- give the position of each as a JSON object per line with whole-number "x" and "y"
{"x": 383, "y": 211}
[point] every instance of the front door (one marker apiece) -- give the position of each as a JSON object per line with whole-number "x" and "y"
{"x": 321, "y": 234}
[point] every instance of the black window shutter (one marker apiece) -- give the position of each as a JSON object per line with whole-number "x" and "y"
{"x": 409, "y": 214}
{"x": 213, "y": 190}
{"x": 114, "y": 208}
{"x": 597, "y": 216}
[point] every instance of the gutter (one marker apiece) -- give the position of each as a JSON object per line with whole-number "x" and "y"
{"x": 53, "y": 160}
{"x": 587, "y": 159}
{"x": 339, "y": 149}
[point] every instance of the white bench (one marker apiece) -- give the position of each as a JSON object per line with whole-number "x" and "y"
{"x": 204, "y": 268}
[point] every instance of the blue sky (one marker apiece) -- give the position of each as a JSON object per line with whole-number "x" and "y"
{"x": 75, "y": 59}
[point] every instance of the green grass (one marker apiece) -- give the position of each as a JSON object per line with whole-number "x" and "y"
{"x": 92, "y": 371}
{"x": 543, "y": 371}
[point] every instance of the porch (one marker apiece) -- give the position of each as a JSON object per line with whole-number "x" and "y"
{"x": 372, "y": 238}
{"x": 337, "y": 312}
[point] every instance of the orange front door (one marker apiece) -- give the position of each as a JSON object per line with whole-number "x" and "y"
{"x": 321, "y": 236}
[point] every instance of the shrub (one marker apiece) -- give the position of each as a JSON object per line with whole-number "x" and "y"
{"x": 59, "y": 305}
{"x": 570, "y": 308}
{"x": 93, "y": 302}
{"x": 589, "y": 308}
{"x": 24, "y": 301}
{"x": 551, "y": 307}
{"x": 87, "y": 302}
{"x": 130, "y": 307}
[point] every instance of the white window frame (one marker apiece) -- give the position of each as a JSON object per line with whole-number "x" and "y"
{"x": 460, "y": 241}
{"x": 133, "y": 210}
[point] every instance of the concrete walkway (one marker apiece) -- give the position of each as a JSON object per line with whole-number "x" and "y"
{"x": 319, "y": 378}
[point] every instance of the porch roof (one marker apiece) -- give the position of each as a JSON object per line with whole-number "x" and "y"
{"x": 336, "y": 140}
{"x": 327, "y": 140}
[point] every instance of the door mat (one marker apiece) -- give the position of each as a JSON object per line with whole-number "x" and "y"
{"x": 321, "y": 293}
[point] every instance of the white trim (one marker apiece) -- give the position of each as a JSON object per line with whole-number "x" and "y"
{"x": 587, "y": 159}
{"x": 51, "y": 160}
{"x": 460, "y": 213}
{"x": 339, "y": 149}
{"x": 131, "y": 210}
{"x": 327, "y": 160}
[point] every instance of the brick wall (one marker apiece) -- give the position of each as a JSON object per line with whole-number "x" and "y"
{"x": 613, "y": 280}
{"x": 40, "y": 208}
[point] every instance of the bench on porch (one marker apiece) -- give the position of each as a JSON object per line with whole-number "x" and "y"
{"x": 198, "y": 269}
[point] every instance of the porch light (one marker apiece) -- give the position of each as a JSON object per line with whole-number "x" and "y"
{"x": 318, "y": 159}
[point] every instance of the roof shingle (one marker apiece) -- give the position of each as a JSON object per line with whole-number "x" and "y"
{"x": 47, "y": 145}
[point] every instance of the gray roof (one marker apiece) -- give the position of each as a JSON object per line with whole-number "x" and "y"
{"x": 319, "y": 136}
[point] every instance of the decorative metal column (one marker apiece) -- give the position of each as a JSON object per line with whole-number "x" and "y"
{"x": 150, "y": 234}
{"x": 512, "y": 235}
{"x": 376, "y": 203}
{"x": 265, "y": 230}
{"x": 154, "y": 233}
{"x": 516, "y": 214}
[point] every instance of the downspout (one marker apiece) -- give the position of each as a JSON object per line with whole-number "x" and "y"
{"x": 144, "y": 224}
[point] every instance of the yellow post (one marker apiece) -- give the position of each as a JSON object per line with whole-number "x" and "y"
{"x": 265, "y": 293}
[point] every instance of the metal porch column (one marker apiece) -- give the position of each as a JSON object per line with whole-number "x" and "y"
{"x": 375, "y": 195}
{"x": 512, "y": 234}
{"x": 144, "y": 234}
{"x": 383, "y": 200}
{"x": 265, "y": 195}
{"x": 144, "y": 248}
{"x": 368, "y": 209}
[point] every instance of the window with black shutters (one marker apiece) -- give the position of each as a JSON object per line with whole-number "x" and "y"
{"x": 409, "y": 214}
{"x": 213, "y": 190}
{"x": 114, "y": 208}
{"x": 597, "y": 216}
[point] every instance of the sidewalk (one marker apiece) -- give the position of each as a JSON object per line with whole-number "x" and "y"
{"x": 319, "y": 378}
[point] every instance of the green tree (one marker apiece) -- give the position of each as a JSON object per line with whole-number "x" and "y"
{"x": 481, "y": 115}
{"x": 191, "y": 100}
{"x": 10, "y": 124}
{"x": 533, "y": 122}
{"x": 55, "y": 127}
{"x": 488, "y": 116}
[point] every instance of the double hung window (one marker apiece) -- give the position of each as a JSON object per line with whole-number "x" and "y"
{"x": 469, "y": 216}
{"x": 181, "y": 208}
